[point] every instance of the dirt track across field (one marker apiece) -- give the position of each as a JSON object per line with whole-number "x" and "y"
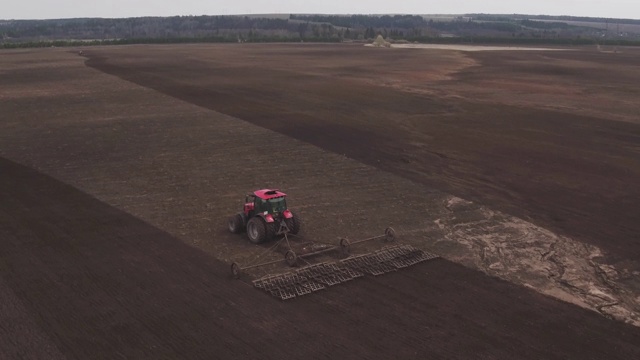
{"x": 95, "y": 263}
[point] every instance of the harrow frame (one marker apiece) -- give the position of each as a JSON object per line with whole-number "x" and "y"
{"x": 316, "y": 277}
{"x": 291, "y": 257}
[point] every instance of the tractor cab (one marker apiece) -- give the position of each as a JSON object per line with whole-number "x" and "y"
{"x": 265, "y": 202}
{"x": 264, "y": 216}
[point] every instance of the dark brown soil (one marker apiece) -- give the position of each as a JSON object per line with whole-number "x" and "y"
{"x": 529, "y": 133}
{"x": 97, "y": 283}
{"x": 81, "y": 279}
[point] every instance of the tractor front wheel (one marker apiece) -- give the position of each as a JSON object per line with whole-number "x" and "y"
{"x": 257, "y": 230}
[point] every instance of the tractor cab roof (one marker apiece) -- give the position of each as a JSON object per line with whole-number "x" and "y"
{"x": 267, "y": 194}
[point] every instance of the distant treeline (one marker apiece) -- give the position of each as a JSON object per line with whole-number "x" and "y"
{"x": 83, "y": 43}
{"x": 365, "y": 21}
{"x": 518, "y": 29}
{"x": 424, "y": 39}
{"x": 142, "y": 27}
{"x": 489, "y": 17}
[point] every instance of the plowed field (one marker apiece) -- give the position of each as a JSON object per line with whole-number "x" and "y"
{"x": 115, "y": 192}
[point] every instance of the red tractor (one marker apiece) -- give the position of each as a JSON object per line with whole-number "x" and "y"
{"x": 265, "y": 215}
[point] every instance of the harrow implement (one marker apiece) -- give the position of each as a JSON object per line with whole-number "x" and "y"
{"x": 312, "y": 278}
{"x": 315, "y": 277}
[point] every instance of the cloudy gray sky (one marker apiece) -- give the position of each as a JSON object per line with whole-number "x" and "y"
{"x": 48, "y": 9}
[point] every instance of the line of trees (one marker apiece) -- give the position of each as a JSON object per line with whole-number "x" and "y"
{"x": 314, "y": 28}
{"x": 147, "y": 27}
{"x": 366, "y": 21}
{"x": 554, "y": 18}
{"x": 423, "y": 39}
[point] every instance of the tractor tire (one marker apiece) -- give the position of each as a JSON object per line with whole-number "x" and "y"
{"x": 294, "y": 223}
{"x": 257, "y": 230}
{"x": 271, "y": 230}
{"x": 236, "y": 223}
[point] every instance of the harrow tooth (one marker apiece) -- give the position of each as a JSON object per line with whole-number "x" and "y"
{"x": 330, "y": 280}
{"x": 353, "y": 273}
{"x": 283, "y": 294}
{"x": 387, "y": 267}
{"x": 301, "y": 290}
{"x": 399, "y": 264}
{"x": 314, "y": 286}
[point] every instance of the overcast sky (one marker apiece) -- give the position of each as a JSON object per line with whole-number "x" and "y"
{"x": 51, "y": 9}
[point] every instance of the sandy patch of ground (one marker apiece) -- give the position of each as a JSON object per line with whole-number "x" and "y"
{"x": 518, "y": 251}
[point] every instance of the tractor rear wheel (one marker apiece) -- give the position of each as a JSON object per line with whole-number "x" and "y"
{"x": 236, "y": 223}
{"x": 257, "y": 230}
{"x": 293, "y": 223}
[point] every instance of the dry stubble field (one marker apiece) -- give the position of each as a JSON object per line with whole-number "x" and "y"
{"x": 122, "y": 252}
